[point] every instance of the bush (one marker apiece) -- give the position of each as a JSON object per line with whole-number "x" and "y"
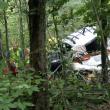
{"x": 16, "y": 91}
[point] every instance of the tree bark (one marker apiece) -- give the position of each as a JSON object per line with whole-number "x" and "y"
{"x": 104, "y": 36}
{"x": 101, "y": 16}
{"x": 104, "y": 56}
{"x": 37, "y": 27}
{"x": 7, "y": 36}
{"x": 21, "y": 29}
{"x": 1, "y": 52}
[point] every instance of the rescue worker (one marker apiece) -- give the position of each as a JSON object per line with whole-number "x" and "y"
{"x": 14, "y": 58}
{"x": 15, "y": 54}
{"x": 26, "y": 54}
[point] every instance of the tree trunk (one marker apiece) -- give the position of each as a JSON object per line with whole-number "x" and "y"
{"x": 101, "y": 16}
{"x": 1, "y": 52}
{"x": 26, "y": 9}
{"x": 37, "y": 27}
{"x": 7, "y": 37}
{"x": 104, "y": 56}
{"x": 21, "y": 29}
{"x": 104, "y": 36}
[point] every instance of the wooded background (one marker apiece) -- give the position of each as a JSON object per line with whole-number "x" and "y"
{"x": 41, "y": 25}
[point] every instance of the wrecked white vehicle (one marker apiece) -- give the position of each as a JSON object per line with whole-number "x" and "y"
{"x": 86, "y": 50}
{"x": 84, "y": 37}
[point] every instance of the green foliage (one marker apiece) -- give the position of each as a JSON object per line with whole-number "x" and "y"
{"x": 11, "y": 7}
{"x": 3, "y": 5}
{"x": 74, "y": 94}
{"x": 16, "y": 92}
{"x": 69, "y": 93}
{"x": 65, "y": 17}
